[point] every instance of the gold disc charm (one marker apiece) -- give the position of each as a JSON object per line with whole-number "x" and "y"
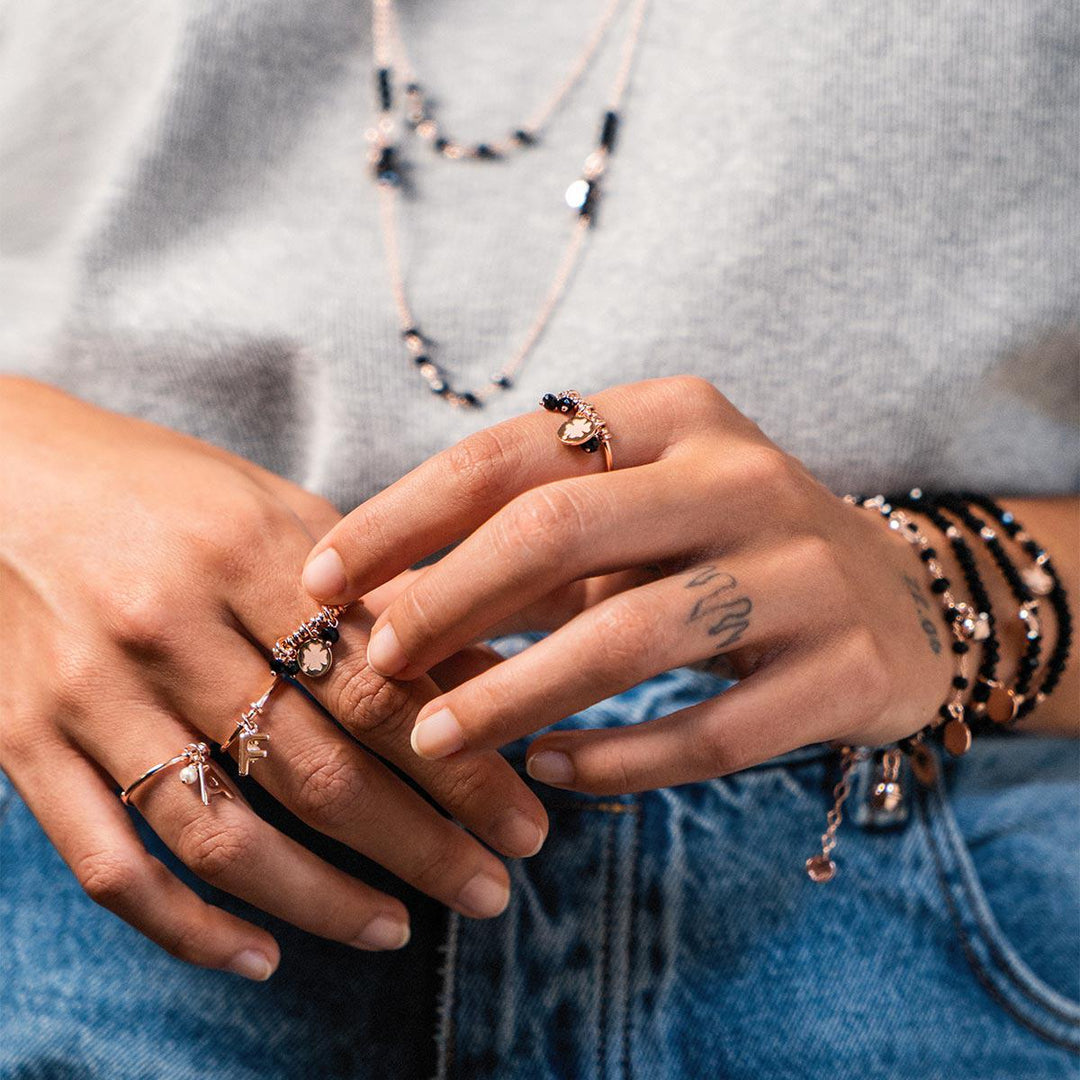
{"x": 577, "y": 430}
{"x": 820, "y": 868}
{"x": 957, "y": 737}
{"x": 314, "y": 658}
{"x": 1001, "y": 705}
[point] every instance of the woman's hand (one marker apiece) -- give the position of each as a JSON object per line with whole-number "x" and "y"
{"x": 707, "y": 542}
{"x": 145, "y": 575}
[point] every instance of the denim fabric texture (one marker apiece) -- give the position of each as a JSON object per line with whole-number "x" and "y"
{"x": 668, "y": 934}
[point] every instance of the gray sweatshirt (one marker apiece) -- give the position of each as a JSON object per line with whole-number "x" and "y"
{"x": 859, "y": 220}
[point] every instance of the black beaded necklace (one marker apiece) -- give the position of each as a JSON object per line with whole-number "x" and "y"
{"x": 582, "y": 195}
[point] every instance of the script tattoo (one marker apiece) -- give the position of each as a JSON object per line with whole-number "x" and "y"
{"x": 720, "y": 606}
{"x": 923, "y": 608}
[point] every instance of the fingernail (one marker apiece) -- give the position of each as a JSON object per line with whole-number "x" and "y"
{"x": 251, "y": 965}
{"x": 517, "y": 833}
{"x": 550, "y": 767}
{"x": 383, "y": 932}
{"x": 384, "y": 652}
{"x": 324, "y": 576}
{"x": 484, "y": 896}
{"x": 437, "y": 735}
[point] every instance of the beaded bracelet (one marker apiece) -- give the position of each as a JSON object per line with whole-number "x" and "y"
{"x": 989, "y": 698}
{"x": 1027, "y": 612}
{"x": 963, "y": 620}
{"x": 1043, "y": 580}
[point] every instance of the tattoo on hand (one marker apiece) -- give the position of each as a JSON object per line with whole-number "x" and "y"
{"x": 923, "y": 609}
{"x": 722, "y": 599}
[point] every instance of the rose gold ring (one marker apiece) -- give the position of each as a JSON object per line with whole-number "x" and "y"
{"x": 197, "y": 769}
{"x": 247, "y": 735}
{"x": 585, "y": 427}
{"x": 308, "y": 649}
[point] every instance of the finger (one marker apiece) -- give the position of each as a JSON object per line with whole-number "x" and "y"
{"x": 544, "y": 539}
{"x": 613, "y": 646}
{"x": 484, "y": 794}
{"x": 230, "y": 847}
{"x": 452, "y": 493}
{"x": 466, "y": 664}
{"x": 335, "y": 786}
{"x": 95, "y": 837}
{"x": 778, "y": 709}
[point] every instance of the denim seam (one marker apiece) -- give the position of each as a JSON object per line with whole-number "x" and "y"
{"x": 1026, "y": 981}
{"x": 985, "y": 978}
{"x": 444, "y": 1022}
{"x": 605, "y": 949}
{"x": 635, "y": 884}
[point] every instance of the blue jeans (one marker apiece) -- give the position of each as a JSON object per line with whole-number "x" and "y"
{"x": 669, "y": 934}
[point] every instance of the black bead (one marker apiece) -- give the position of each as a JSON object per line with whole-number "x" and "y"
{"x": 960, "y": 682}
{"x": 292, "y": 667}
{"x": 927, "y": 555}
{"x": 421, "y": 358}
{"x": 411, "y": 331}
{"x": 385, "y": 96}
{"x": 277, "y": 666}
{"x": 960, "y": 647}
{"x": 565, "y": 405}
{"x": 330, "y": 634}
{"x": 471, "y": 400}
{"x": 939, "y": 585}
{"x": 484, "y": 152}
{"x": 608, "y": 130}
{"x": 498, "y": 379}
{"x": 981, "y": 692}
{"x": 441, "y": 144}
{"x": 591, "y": 446}
{"x": 524, "y": 138}
{"x": 550, "y": 402}
{"x": 588, "y": 207}
{"x": 386, "y": 167}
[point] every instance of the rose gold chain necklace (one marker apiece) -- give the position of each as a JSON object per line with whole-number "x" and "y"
{"x": 582, "y": 195}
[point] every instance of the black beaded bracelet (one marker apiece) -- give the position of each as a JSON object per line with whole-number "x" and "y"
{"x": 1028, "y": 612}
{"x": 990, "y": 701}
{"x": 1042, "y": 579}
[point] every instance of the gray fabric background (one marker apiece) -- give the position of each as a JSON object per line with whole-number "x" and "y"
{"x": 860, "y": 220}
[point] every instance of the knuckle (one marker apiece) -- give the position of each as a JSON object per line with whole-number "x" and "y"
{"x": 214, "y": 849}
{"x": 330, "y": 791}
{"x": 185, "y": 940}
{"x": 816, "y": 558}
{"x": 545, "y": 519}
{"x": 765, "y": 466}
{"x": 462, "y": 785}
{"x": 478, "y": 464}
{"x": 77, "y": 677}
{"x": 698, "y": 392}
{"x": 107, "y": 876}
{"x": 366, "y": 702}
{"x": 441, "y": 866}
{"x": 623, "y": 633}
{"x": 143, "y": 620}
{"x": 867, "y": 671}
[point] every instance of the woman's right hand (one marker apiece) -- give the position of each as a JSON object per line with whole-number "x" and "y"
{"x": 145, "y": 575}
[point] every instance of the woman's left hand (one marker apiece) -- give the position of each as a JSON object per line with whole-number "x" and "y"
{"x": 707, "y": 543}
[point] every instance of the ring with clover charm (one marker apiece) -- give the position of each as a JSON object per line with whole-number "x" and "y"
{"x": 308, "y": 650}
{"x": 197, "y": 769}
{"x": 584, "y": 428}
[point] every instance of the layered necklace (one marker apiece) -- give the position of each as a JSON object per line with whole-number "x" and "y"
{"x": 396, "y": 79}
